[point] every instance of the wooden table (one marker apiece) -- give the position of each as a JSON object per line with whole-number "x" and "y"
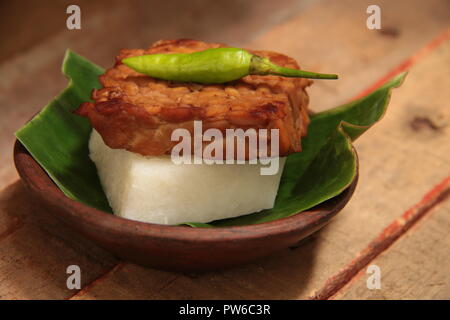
{"x": 398, "y": 218}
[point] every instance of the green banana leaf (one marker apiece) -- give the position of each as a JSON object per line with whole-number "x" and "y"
{"x": 58, "y": 140}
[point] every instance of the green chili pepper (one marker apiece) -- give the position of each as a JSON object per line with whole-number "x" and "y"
{"x": 216, "y": 65}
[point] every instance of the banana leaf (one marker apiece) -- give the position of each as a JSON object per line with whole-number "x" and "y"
{"x": 58, "y": 140}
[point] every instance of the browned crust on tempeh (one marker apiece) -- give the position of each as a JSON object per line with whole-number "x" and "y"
{"x": 138, "y": 113}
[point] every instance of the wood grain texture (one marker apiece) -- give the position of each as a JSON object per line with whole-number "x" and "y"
{"x": 416, "y": 267}
{"x": 128, "y": 277}
{"x": 407, "y": 160}
{"x": 401, "y": 158}
{"x": 33, "y": 21}
{"x": 22, "y": 95}
{"x": 384, "y": 240}
{"x": 362, "y": 56}
{"x": 332, "y": 37}
{"x": 9, "y": 221}
{"x": 130, "y": 24}
{"x": 35, "y": 253}
{"x": 426, "y": 118}
{"x": 391, "y": 168}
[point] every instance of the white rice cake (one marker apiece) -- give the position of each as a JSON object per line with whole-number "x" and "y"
{"x": 155, "y": 190}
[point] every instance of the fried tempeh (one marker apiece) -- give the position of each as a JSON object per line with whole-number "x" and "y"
{"x": 138, "y": 113}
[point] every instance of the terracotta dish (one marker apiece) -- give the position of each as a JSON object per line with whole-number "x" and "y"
{"x": 175, "y": 248}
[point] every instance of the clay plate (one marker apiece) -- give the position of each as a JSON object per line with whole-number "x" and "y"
{"x": 176, "y": 248}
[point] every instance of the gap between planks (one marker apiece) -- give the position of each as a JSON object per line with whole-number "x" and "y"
{"x": 388, "y": 236}
{"x": 384, "y": 240}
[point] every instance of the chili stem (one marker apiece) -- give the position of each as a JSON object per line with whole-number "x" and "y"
{"x": 263, "y": 66}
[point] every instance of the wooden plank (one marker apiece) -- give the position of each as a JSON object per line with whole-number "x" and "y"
{"x": 292, "y": 273}
{"x": 384, "y": 240}
{"x": 127, "y": 282}
{"x": 332, "y": 37}
{"x": 239, "y": 25}
{"x": 267, "y": 279}
{"x": 32, "y": 22}
{"x": 399, "y": 164}
{"x": 416, "y": 267}
{"x": 405, "y": 159}
{"x": 425, "y": 120}
{"x": 9, "y": 221}
{"x": 33, "y": 261}
{"x": 32, "y": 79}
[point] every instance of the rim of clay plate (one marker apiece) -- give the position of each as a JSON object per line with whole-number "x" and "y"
{"x": 38, "y": 180}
